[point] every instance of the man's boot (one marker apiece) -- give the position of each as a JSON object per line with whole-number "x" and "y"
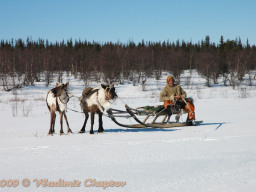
{"x": 191, "y": 113}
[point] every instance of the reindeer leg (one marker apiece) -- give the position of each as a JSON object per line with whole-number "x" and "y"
{"x": 85, "y": 121}
{"x": 52, "y": 122}
{"x": 61, "y": 123}
{"x": 100, "y": 130}
{"x": 50, "y": 130}
{"x": 53, "y": 125}
{"x": 66, "y": 119}
{"x": 92, "y": 122}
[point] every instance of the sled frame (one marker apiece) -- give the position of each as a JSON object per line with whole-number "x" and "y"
{"x": 133, "y": 113}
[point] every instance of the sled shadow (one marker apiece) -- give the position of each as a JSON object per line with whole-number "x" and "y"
{"x": 140, "y": 130}
{"x": 218, "y": 124}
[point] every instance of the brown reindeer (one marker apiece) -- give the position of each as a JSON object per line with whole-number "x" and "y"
{"x": 96, "y": 100}
{"x": 56, "y": 100}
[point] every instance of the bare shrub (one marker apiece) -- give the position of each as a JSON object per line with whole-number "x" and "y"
{"x": 14, "y": 106}
{"x": 143, "y": 82}
{"x": 158, "y": 85}
{"x": 243, "y": 93}
{"x": 17, "y": 99}
{"x": 187, "y": 81}
{"x": 156, "y": 96}
{"x": 157, "y": 74}
{"x": 199, "y": 92}
{"x": 39, "y": 99}
{"x": 27, "y": 110}
{"x": 48, "y": 77}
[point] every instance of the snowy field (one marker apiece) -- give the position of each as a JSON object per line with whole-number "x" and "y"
{"x": 218, "y": 155}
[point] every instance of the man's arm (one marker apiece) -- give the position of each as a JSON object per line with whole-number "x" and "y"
{"x": 164, "y": 96}
{"x": 183, "y": 93}
{"x": 180, "y": 93}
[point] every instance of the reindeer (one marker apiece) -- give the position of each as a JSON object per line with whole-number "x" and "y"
{"x": 96, "y": 100}
{"x": 56, "y": 100}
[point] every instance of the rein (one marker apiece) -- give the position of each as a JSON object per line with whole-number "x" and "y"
{"x": 67, "y": 96}
{"x": 68, "y": 101}
{"x": 62, "y": 100}
{"x": 74, "y": 110}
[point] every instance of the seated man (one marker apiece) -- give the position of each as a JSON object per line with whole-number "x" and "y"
{"x": 173, "y": 94}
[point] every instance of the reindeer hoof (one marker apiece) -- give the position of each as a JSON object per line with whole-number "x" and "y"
{"x": 82, "y": 131}
{"x": 100, "y": 130}
{"x": 91, "y": 132}
{"x": 70, "y": 131}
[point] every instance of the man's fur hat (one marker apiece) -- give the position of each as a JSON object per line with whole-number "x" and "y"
{"x": 168, "y": 79}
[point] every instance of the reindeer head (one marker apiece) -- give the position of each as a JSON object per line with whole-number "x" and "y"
{"x": 109, "y": 91}
{"x": 61, "y": 89}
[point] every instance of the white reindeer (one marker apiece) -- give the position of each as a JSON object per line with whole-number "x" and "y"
{"x": 56, "y": 100}
{"x": 96, "y": 100}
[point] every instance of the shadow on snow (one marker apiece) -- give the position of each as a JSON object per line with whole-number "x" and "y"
{"x": 218, "y": 124}
{"x": 141, "y": 130}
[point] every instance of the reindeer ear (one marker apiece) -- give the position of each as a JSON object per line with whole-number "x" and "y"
{"x": 112, "y": 85}
{"x": 67, "y": 84}
{"x": 103, "y": 86}
{"x": 58, "y": 84}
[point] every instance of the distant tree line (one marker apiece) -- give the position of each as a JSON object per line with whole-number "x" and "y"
{"x": 22, "y": 63}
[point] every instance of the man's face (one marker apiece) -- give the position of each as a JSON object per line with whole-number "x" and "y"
{"x": 171, "y": 82}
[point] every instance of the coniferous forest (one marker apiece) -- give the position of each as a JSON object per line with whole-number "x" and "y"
{"x": 25, "y": 62}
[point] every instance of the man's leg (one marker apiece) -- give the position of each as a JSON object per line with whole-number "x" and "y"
{"x": 169, "y": 112}
{"x": 189, "y": 107}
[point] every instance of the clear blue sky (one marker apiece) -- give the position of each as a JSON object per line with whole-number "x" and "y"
{"x": 124, "y": 20}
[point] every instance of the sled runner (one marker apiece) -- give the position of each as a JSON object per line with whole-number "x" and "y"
{"x": 150, "y": 112}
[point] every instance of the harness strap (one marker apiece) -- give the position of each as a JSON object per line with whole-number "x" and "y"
{"x": 99, "y": 105}
{"x": 59, "y": 99}
{"x": 57, "y": 104}
{"x": 74, "y": 110}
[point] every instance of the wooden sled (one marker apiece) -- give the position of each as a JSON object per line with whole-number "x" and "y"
{"x": 133, "y": 113}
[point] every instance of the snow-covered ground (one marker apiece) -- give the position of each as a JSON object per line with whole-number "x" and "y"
{"x": 218, "y": 155}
